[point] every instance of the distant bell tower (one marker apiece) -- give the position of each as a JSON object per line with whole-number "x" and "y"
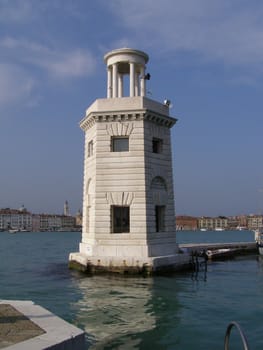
{"x": 66, "y": 209}
{"x": 128, "y": 199}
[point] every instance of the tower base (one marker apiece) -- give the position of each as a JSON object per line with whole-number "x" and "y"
{"x": 129, "y": 265}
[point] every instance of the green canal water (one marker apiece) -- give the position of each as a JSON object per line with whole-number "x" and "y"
{"x": 184, "y": 311}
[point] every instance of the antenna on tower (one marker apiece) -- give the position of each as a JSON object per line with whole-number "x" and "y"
{"x": 147, "y": 76}
{"x": 168, "y": 103}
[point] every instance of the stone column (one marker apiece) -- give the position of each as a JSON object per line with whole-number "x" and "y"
{"x": 143, "y": 92}
{"x": 109, "y": 82}
{"x": 114, "y": 80}
{"x": 132, "y": 78}
{"x": 120, "y": 85}
{"x": 137, "y": 92}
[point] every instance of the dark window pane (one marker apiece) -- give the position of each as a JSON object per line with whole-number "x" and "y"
{"x": 159, "y": 217}
{"x": 120, "y": 219}
{"x": 90, "y": 149}
{"x": 157, "y": 145}
{"x": 120, "y": 144}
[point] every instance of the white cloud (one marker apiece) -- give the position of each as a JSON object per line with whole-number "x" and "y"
{"x": 20, "y": 60}
{"x": 75, "y": 64}
{"x": 226, "y": 30}
{"x": 15, "y": 85}
{"x": 58, "y": 64}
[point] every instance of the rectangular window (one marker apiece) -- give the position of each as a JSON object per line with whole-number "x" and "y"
{"x": 120, "y": 219}
{"x": 159, "y": 218}
{"x": 120, "y": 144}
{"x": 157, "y": 145}
{"x": 90, "y": 149}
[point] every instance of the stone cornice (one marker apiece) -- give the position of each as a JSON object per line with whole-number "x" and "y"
{"x": 97, "y": 117}
{"x": 160, "y": 119}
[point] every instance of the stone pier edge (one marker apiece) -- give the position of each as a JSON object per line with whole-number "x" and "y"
{"x": 59, "y": 334}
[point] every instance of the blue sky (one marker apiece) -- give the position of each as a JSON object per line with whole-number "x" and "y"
{"x": 205, "y": 56}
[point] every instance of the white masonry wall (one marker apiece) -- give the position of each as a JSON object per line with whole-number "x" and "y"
{"x": 124, "y": 178}
{"x": 117, "y": 178}
{"x": 159, "y": 165}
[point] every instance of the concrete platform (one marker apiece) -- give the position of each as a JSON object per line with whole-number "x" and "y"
{"x": 155, "y": 265}
{"x": 147, "y": 266}
{"x": 27, "y": 326}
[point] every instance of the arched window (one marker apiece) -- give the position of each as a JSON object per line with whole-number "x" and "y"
{"x": 159, "y": 195}
{"x": 158, "y": 184}
{"x": 88, "y": 194}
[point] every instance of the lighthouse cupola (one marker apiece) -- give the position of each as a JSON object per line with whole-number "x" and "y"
{"x": 126, "y": 62}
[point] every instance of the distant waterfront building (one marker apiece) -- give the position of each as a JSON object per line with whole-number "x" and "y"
{"x": 19, "y": 219}
{"x": 209, "y": 223}
{"x": 184, "y": 222}
{"x": 233, "y": 222}
{"x": 237, "y": 222}
{"x": 255, "y": 222}
{"x": 68, "y": 222}
{"x": 128, "y": 200}
{"x": 242, "y": 221}
{"x": 35, "y": 222}
{"x": 22, "y": 219}
{"x": 79, "y": 218}
{"x": 49, "y": 222}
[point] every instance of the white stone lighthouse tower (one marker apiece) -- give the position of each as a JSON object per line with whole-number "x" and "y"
{"x": 128, "y": 199}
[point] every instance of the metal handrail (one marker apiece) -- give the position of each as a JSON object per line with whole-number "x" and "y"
{"x": 227, "y": 336}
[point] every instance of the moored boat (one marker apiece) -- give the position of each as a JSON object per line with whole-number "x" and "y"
{"x": 14, "y": 230}
{"x": 259, "y": 239}
{"x": 260, "y": 249}
{"x": 241, "y": 228}
{"x": 222, "y": 253}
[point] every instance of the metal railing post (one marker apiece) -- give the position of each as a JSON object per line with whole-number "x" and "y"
{"x": 227, "y": 336}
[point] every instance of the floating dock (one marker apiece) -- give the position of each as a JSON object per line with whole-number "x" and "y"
{"x": 234, "y": 248}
